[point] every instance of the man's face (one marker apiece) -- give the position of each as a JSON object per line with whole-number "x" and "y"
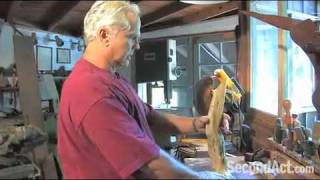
{"x": 126, "y": 42}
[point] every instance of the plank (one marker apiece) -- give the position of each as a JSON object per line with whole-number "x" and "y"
{"x": 29, "y": 91}
{"x": 216, "y": 147}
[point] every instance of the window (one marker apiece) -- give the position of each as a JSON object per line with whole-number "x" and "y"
{"x": 300, "y": 69}
{"x": 265, "y": 70}
{"x": 215, "y": 52}
{"x": 264, "y": 59}
{"x": 306, "y": 7}
{"x": 300, "y": 74}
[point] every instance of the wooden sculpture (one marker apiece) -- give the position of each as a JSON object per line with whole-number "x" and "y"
{"x": 303, "y": 33}
{"x": 213, "y": 130}
{"x": 287, "y": 119}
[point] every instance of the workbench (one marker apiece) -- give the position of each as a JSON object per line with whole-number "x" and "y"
{"x": 202, "y": 162}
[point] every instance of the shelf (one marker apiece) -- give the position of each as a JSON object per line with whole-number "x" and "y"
{"x": 8, "y": 89}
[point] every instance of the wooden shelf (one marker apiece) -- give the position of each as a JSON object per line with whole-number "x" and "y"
{"x": 8, "y": 89}
{"x": 298, "y": 158}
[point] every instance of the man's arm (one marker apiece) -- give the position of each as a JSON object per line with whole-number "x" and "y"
{"x": 174, "y": 124}
{"x": 165, "y": 167}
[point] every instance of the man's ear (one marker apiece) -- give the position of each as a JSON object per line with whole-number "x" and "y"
{"x": 104, "y": 35}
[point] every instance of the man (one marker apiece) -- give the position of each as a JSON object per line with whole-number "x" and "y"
{"x": 103, "y": 126}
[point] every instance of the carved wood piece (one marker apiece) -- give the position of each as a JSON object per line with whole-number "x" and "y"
{"x": 215, "y": 137}
{"x": 287, "y": 119}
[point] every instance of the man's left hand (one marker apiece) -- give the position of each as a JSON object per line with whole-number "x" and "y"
{"x": 200, "y": 122}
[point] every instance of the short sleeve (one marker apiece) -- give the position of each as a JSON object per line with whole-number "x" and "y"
{"x": 118, "y": 137}
{"x": 148, "y": 110}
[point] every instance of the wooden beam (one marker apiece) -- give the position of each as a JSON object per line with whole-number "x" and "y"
{"x": 212, "y": 11}
{"x": 216, "y": 25}
{"x": 281, "y": 76}
{"x": 162, "y": 25}
{"x": 64, "y": 7}
{"x": 13, "y": 6}
{"x": 29, "y": 92}
{"x": 23, "y": 22}
{"x": 162, "y": 13}
{"x": 244, "y": 52}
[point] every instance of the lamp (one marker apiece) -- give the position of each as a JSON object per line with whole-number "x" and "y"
{"x": 202, "y": 2}
{"x": 57, "y": 39}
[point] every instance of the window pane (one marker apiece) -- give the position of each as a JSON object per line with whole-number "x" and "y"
{"x": 207, "y": 70}
{"x": 228, "y": 52}
{"x": 209, "y": 53}
{"x": 264, "y": 62}
{"x": 295, "y": 6}
{"x": 309, "y": 7}
{"x": 300, "y": 79}
{"x": 265, "y": 7}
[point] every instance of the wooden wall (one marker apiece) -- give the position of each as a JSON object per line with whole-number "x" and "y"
{"x": 262, "y": 123}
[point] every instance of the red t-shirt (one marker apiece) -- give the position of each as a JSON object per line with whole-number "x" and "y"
{"x": 102, "y": 126}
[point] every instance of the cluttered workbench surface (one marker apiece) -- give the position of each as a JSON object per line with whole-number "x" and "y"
{"x": 262, "y": 164}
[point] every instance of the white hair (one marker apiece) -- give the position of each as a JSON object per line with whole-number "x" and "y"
{"x": 107, "y": 13}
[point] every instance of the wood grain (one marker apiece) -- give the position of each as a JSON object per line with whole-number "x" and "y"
{"x": 213, "y": 132}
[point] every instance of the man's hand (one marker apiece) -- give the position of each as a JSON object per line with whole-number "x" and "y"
{"x": 200, "y": 123}
{"x": 225, "y": 124}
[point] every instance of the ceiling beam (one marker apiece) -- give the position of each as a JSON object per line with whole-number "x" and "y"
{"x": 212, "y": 11}
{"x": 12, "y": 8}
{"x": 162, "y": 13}
{"x": 227, "y": 23}
{"x": 23, "y": 22}
{"x": 179, "y": 22}
{"x": 162, "y": 25}
{"x": 65, "y": 7}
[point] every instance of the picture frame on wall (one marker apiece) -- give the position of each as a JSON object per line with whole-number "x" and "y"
{"x": 63, "y": 56}
{"x": 44, "y": 58}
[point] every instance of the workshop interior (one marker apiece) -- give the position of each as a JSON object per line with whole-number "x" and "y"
{"x": 265, "y": 53}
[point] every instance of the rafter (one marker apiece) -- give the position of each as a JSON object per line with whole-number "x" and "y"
{"x": 212, "y": 11}
{"x": 13, "y": 6}
{"x": 162, "y": 25}
{"x": 65, "y": 9}
{"x": 163, "y": 12}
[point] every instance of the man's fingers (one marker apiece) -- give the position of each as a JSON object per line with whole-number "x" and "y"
{"x": 226, "y": 116}
{"x": 204, "y": 119}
